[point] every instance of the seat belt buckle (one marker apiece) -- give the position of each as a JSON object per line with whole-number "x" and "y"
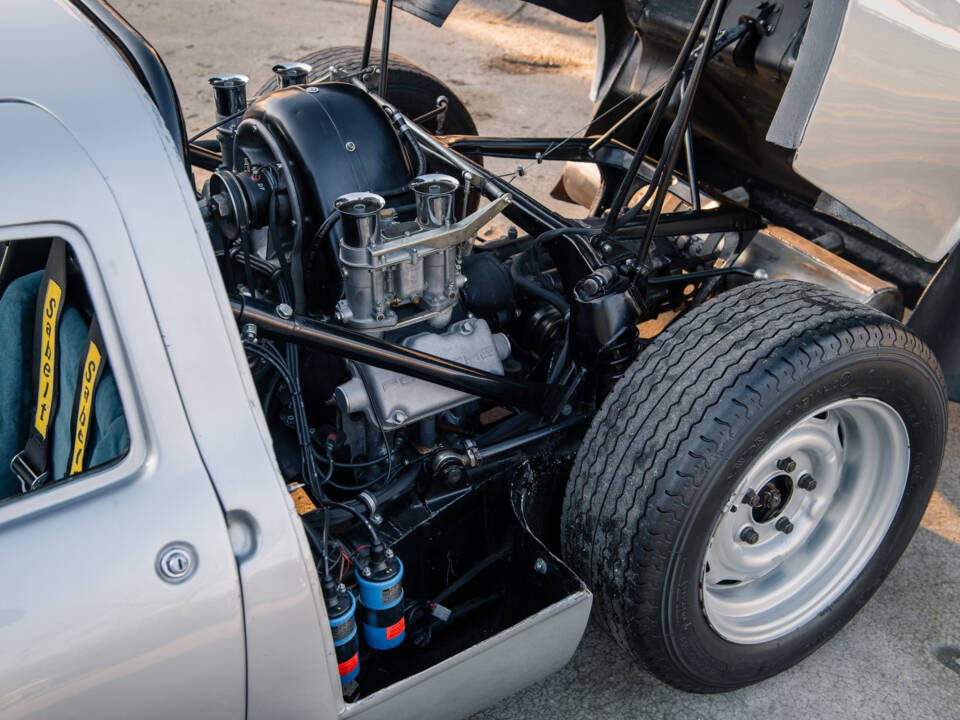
{"x": 29, "y": 480}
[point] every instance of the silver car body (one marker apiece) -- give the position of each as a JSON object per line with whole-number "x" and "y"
{"x": 884, "y": 135}
{"x": 89, "y": 628}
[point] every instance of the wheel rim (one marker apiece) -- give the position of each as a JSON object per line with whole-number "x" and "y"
{"x": 758, "y": 588}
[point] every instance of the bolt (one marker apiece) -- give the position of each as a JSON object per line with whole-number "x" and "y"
{"x": 177, "y": 563}
{"x": 787, "y": 464}
{"x": 399, "y": 417}
{"x": 249, "y": 332}
{"x": 388, "y": 552}
{"x": 540, "y": 566}
{"x": 284, "y": 311}
{"x": 751, "y": 499}
{"x": 174, "y": 564}
{"x": 749, "y": 535}
{"x": 376, "y": 519}
{"x": 350, "y": 146}
{"x": 784, "y": 525}
{"x": 312, "y": 90}
{"x": 807, "y": 482}
{"x": 366, "y": 572}
{"x": 466, "y": 327}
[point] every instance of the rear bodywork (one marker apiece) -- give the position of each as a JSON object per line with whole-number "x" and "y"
{"x": 837, "y": 119}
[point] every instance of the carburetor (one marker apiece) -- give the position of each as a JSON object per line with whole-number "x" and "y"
{"x": 402, "y": 273}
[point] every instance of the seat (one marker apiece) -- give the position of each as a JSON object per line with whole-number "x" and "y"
{"x": 109, "y": 431}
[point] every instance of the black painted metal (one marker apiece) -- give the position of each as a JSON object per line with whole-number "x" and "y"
{"x": 646, "y": 140}
{"x": 368, "y": 33}
{"x": 506, "y": 446}
{"x": 337, "y": 137}
{"x": 671, "y": 150}
{"x": 385, "y": 46}
{"x": 579, "y": 149}
{"x": 574, "y": 260}
{"x": 934, "y": 320}
{"x": 725, "y": 218}
{"x": 351, "y": 345}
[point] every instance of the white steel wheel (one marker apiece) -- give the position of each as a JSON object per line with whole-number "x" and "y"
{"x": 805, "y": 519}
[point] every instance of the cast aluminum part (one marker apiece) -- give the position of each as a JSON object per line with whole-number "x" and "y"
{"x": 399, "y": 400}
{"x": 388, "y": 264}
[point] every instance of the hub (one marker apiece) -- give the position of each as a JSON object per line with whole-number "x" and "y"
{"x": 773, "y": 497}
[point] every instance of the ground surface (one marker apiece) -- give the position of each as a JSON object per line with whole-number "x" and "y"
{"x": 525, "y": 71}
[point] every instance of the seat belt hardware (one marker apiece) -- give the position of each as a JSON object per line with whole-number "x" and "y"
{"x": 29, "y": 479}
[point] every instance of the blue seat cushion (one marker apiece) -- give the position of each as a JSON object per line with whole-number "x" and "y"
{"x": 109, "y": 431}
{"x": 17, "y": 307}
{"x": 109, "y": 427}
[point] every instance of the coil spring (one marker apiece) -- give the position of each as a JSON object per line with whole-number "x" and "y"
{"x": 616, "y": 358}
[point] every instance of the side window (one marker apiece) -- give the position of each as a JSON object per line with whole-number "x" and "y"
{"x": 60, "y": 412}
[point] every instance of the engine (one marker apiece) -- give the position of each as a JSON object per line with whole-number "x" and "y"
{"x": 405, "y": 370}
{"x": 321, "y": 183}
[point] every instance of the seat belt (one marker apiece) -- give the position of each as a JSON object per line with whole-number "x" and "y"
{"x": 81, "y": 421}
{"x": 32, "y": 464}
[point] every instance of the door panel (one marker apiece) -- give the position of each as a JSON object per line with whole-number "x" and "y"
{"x": 89, "y": 629}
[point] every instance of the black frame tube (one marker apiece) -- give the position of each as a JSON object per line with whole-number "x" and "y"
{"x": 646, "y": 140}
{"x": 485, "y": 454}
{"x": 580, "y": 149}
{"x": 385, "y": 48}
{"x": 352, "y": 345}
{"x": 368, "y": 37}
{"x": 688, "y": 153}
{"x": 679, "y": 127}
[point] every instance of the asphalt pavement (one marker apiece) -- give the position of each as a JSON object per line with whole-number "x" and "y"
{"x": 524, "y": 71}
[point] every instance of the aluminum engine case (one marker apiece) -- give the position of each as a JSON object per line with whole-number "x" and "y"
{"x": 400, "y": 399}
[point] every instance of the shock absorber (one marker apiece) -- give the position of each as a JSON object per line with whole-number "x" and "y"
{"x": 381, "y": 598}
{"x": 341, "y": 612}
{"x": 615, "y": 358}
{"x": 604, "y": 312}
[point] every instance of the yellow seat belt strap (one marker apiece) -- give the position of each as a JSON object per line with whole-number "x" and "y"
{"x": 32, "y": 464}
{"x": 93, "y": 362}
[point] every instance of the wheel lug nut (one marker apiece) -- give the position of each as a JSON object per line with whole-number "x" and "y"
{"x": 807, "y": 482}
{"x": 786, "y": 464}
{"x": 784, "y": 525}
{"x": 751, "y": 499}
{"x": 749, "y": 536}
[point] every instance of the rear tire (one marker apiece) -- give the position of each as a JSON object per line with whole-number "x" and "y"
{"x": 410, "y": 88}
{"x": 702, "y": 416}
